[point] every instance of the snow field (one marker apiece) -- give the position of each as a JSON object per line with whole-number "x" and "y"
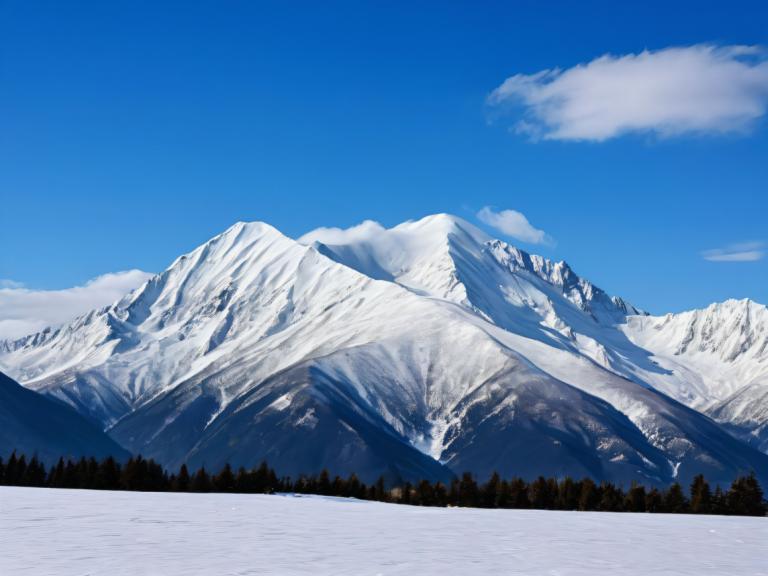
{"x": 78, "y": 532}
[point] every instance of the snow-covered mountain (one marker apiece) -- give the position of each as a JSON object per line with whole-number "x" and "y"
{"x": 408, "y": 352}
{"x": 716, "y": 361}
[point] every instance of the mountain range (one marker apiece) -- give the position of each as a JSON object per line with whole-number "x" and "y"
{"x": 423, "y": 350}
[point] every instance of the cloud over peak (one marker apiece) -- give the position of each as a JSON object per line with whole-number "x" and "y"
{"x": 703, "y": 89}
{"x": 332, "y": 235}
{"x": 514, "y": 224}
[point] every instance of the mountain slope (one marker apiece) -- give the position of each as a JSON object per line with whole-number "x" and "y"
{"x": 715, "y": 360}
{"x": 418, "y": 350}
{"x": 31, "y": 424}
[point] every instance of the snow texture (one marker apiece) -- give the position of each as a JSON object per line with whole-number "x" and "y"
{"x": 69, "y": 532}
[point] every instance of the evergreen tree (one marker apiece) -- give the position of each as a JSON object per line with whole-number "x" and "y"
{"x": 35, "y": 474}
{"x": 540, "y": 495}
{"x": 108, "y": 474}
{"x": 518, "y": 494}
{"x": 339, "y": 487}
{"x": 21, "y": 470}
{"x": 701, "y": 496}
{"x": 745, "y": 497}
{"x": 568, "y": 495}
{"x": 589, "y": 496}
{"x": 380, "y": 492}
{"x": 224, "y": 481}
{"x": 654, "y": 501}
{"x": 675, "y": 501}
{"x": 719, "y": 501}
{"x": 425, "y": 494}
{"x": 453, "y": 492}
{"x": 635, "y": 499}
{"x": 11, "y": 470}
{"x": 468, "y": 492}
{"x": 244, "y": 482}
{"x": 441, "y": 494}
{"x": 406, "y": 493}
{"x": 355, "y": 488}
{"x": 490, "y": 493}
{"x": 611, "y": 498}
{"x": 201, "y": 482}
{"x": 70, "y": 475}
{"x": 324, "y": 483}
{"x": 505, "y": 496}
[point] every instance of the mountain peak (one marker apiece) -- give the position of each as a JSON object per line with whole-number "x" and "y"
{"x": 443, "y": 224}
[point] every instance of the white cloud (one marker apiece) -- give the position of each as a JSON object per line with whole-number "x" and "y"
{"x": 744, "y": 252}
{"x": 514, "y": 224}
{"x": 24, "y": 311}
{"x": 361, "y": 232}
{"x": 694, "y": 89}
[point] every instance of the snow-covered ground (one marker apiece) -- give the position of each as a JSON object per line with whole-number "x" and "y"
{"x": 62, "y": 532}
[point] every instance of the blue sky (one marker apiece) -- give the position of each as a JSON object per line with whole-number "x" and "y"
{"x": 130, "y": 132}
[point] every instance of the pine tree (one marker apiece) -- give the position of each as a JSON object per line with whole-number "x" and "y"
{"x": 518, "y": 494}
{"x": 701, "y": 496}
{"x": 635, "y": 500}
{"x": 182, "y": 480}
{"x": 453, "y": 493}
{"x": 35, "y": 474}
{"x": 324, "y": 483}
{"x": 674, "y": 500}
{"x": 504, "y": 496}
{"x": 201, "y": 482}
{"x": 11, "y": 470}
{"x": 468, "y": 492}
{"x": 108, "y": 474}
{"x": 339, "y": 487}
{"x": 244, "y": 482}
{"x": 224, "y": 481}
{"x": 56, "y": 476}
{"x": 355, "y": 488}
{"x": 568, "y": 494}
{"x": 441, "y": 494}
{"x": 745, "y": 497}
{"x": 425, "y": 494}
{"x": 406, "y": 493}
{"x": 654, "y": 501}
{"x": 719, "y": 501}
{"x": 21, "y": 470}
{"x": 70, "y": 479}
{"x": 380, "y": 492}
{"x": 539, "y": 494}
{"x": 490, "y": 492}
{"x": 611, "y": 498}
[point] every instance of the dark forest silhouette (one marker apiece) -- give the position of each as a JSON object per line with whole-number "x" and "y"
{"x": 744, "y": 497}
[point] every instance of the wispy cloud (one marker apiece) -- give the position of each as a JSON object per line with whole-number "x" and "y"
{"x": 743, "y": 252}
{"x": 514, "y": 224}
{"x": 24, "y": 311}
{"x": 329, "y": 235}
{"x": 681, "y": 90}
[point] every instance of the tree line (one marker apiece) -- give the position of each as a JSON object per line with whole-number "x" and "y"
{"x": 744, "y": 497}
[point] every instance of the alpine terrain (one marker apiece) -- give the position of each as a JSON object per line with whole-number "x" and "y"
{"x": 44, "y": 427}
{"x": 422, "y": 350}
